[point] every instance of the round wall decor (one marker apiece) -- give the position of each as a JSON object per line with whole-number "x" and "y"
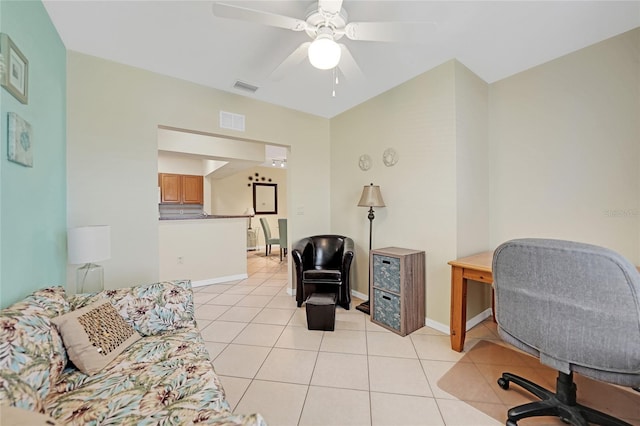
{"x": 364, "y": 162}
{"x": 389, "y": 157}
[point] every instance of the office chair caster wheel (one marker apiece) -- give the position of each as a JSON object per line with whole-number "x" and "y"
{"x": 504, "y": 384}
{"x": 511, "y": 423}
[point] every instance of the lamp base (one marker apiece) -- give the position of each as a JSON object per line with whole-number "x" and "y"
{"x": 90, "y": 278}
{"x": 364, "y": 307}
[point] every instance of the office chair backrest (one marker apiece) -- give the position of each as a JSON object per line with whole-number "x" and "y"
{"x": 575, "y": 303}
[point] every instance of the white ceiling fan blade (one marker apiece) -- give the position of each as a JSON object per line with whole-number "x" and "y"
{"x": 330, "y": 6}
{"x": 390, "y": 31}
{"x": 348, "y": 65}
{"x": 292, "y": 60}
{"x": 222, "y": 10}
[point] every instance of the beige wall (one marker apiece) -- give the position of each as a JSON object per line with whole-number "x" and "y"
{"x": 234, "y": 194}
{"x": 113, "y": 116}
{"x": 563, "y": 159}
{"x": 436, "y": 196}
{"x": 417, "y": 119}
{"x": 171, "y": 163}
{"x": 472, "y": 176}
{"x": 565, "y": 149}
{"x": 192, "y": 249}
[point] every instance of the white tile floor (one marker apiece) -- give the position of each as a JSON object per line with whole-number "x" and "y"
{"x": 360, "y": 374}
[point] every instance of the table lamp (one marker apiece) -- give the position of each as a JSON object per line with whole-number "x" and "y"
{"x": 371, "y": 197}
{"x": 251, "y": 213}
{"x": 87, "y": 245}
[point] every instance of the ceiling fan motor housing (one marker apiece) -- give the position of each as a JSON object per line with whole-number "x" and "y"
{"x": 319, "y": 21}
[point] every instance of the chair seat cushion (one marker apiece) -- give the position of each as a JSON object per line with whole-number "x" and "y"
{"x": 322, "y": 275}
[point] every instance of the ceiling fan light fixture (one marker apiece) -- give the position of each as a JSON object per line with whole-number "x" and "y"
{"x": 324, "y": 52}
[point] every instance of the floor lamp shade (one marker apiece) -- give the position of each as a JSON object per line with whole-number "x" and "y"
{"x": 371, "y": 197}
{"x": 87, "y": 245}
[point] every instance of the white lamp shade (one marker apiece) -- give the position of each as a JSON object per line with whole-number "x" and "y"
{"x": 324, "y": 53}
{"x": 88, "y": 244}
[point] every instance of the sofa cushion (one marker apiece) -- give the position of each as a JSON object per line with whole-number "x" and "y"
{"x": 150, "y": 309}
{"x": 95, "y": 335}
{"x": 29, "y": 345}
{"x": 161, "y": 379}
{"x": 17, "y": 393}
{"x": 322, "y": 275}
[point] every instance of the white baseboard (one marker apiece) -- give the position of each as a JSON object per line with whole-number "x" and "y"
{"x": 359, "y": 295}
{"x": 291, "y": 291}
{"x": 220, "y": 280}
{"x": 443, "y": 328}
{"x": 470, "y": 324}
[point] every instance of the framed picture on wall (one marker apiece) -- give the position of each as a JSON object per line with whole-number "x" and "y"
{"x": 19, "y": 141}
{"x": 15, "y": 69}
{"x": 265, "y": 198}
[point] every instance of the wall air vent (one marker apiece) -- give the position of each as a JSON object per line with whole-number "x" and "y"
{"x": 229, "y": 120}
{"x": 243, "y": 85}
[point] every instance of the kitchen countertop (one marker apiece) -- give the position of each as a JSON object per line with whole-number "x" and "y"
{"x": 209, "y": 216}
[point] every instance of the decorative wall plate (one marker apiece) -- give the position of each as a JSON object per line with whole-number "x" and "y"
{"x": 389, "y": 157}
{"x": 364, "y": 162}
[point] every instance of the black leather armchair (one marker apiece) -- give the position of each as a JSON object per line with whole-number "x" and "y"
{"x": 322, "y": 265}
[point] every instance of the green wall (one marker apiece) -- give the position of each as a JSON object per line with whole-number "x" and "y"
{"x": 33, "y": 200}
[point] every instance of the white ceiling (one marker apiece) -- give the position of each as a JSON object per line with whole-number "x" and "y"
{"x": 183, "y": 39}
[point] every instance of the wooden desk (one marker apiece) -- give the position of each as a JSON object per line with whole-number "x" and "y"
{"x": 477, "y": 268}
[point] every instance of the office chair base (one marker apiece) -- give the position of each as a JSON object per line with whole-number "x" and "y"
{"x": 561, "y": 403}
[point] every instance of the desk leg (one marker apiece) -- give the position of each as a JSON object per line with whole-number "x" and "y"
{"x": 458, "y": 321}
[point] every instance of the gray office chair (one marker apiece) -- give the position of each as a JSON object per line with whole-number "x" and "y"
{"x": 282, "y": 237}
{"x": 577, "y": 308}
{"x": 268, "y": 240}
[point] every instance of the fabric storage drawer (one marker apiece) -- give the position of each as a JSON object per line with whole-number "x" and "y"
{"x": 386, "y": 273}
{"x": 386, "y": 308}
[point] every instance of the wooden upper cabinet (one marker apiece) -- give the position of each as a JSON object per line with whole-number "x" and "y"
{"x": 192, "y": 191}
{"x": 181, "y": 189}
{"x": 170, "y": 188}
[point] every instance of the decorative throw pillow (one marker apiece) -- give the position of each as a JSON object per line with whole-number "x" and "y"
{"x": 95, "y": 335}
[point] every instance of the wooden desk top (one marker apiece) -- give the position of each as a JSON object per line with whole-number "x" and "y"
{"x": 479, "y": 262}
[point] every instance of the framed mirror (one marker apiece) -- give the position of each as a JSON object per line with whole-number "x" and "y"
{"x": 265, "y": 198}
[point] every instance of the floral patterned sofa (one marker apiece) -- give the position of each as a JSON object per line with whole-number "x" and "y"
{"x": 165, "y": 377}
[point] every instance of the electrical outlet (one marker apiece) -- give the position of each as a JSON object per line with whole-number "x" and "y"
{"x": 180, "y": 260}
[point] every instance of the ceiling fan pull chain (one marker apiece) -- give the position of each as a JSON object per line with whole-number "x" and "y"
{"x": 335, "y": 81}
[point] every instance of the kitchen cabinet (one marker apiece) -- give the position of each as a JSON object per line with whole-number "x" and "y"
{"x": 397, "y": 289}
{"x": 181, "y": 189}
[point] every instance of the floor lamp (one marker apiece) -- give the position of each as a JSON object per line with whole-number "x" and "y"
{"x": 371, "y": 197}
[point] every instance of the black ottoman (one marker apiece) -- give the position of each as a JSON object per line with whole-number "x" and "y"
{"x": 321, "y": 311}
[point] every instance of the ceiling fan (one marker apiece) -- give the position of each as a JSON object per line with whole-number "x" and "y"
{"x": 326, "y": 22}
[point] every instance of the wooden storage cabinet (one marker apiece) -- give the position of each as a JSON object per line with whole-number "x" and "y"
{"x": 397, "y": 289}
{"x": 181, "y": 189}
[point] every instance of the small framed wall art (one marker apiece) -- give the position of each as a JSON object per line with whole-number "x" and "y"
{"x": 15, "y": 69}
{"x": 19, "y": 150}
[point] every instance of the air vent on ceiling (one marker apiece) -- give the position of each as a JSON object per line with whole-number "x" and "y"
{"x": 243, "y": 85}
{"x": 229, "y": 120}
